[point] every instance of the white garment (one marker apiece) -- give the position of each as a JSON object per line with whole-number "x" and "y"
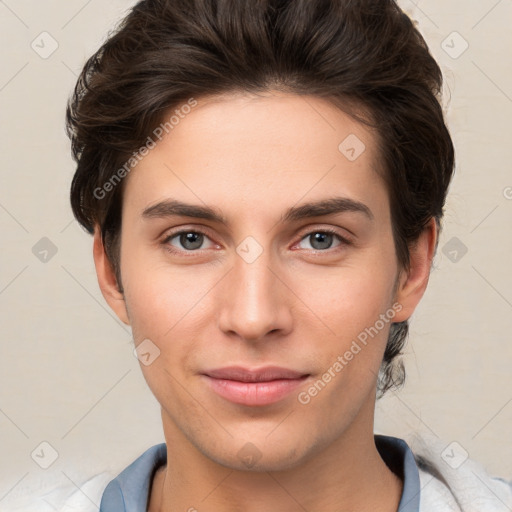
{"x": 64, "y": 498}
{"x": 475, "y": 489}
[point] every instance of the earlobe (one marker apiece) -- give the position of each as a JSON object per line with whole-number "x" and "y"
{"x": 107, "y": 280}
{"x": 413, "y": 284}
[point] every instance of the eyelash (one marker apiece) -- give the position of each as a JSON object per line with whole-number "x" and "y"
{"x": 343, "y": 240}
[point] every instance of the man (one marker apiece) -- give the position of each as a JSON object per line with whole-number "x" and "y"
{"x": 265, "y": 183}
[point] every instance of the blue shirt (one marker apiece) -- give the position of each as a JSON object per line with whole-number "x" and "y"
{"x": 130, "y": 490}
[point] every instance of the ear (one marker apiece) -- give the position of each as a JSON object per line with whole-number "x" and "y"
{"x": 412, "y": 284}
{"x": 107, "y": 279}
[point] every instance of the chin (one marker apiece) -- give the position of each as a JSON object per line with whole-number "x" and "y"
{"x": 249, "y": 458}
{"x": 257, "y": 453}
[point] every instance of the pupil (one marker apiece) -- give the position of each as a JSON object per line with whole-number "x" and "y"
{"x": 321, "y": 241}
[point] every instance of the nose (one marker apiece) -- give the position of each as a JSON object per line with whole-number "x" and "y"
{"x": 255, "y": 301}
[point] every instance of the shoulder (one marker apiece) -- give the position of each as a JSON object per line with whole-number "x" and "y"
{"x": 451, "y": 481}
{"x": 65, "y": 496}
{"x": 103, "y": 491}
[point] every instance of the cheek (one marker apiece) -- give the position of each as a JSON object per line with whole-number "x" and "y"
{"x": 164, "y": 308}
{"x": 351, "y": 310}
{"x": 160, "y": 300}
{"x": 155, "y": 293}
{"x": 347, "y": 299}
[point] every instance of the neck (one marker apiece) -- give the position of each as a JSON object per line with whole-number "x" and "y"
{"x": 348, "y": 474}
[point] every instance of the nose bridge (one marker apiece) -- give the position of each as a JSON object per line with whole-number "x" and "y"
{"x": 254, "y": 303}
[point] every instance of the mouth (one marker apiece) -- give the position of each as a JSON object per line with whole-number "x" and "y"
{"x": 258, "y": 387}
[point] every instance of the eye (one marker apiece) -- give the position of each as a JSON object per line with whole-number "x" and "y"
{"x": 187, "y": 240}
{"x": 323, "y": 239}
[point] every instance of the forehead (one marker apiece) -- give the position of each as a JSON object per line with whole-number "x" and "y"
{"x": 258, "y": 149}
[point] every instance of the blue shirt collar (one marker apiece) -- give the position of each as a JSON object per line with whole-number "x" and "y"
{"x": 400, "y": 459}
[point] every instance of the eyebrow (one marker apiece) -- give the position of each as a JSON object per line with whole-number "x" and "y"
{"x": 330, "y": 206}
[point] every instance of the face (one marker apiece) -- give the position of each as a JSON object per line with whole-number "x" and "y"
{"x": 251, "y": 239}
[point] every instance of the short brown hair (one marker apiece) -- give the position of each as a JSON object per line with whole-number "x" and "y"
{"x": 365, "y": 56}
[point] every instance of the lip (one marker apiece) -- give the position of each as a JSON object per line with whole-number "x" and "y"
{"x": 257, "y": 387}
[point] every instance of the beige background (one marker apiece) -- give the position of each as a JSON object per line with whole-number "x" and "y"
{"x": 67, "y": 373}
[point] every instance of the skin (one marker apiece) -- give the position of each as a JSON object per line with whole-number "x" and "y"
{"x": 298, "y": 306}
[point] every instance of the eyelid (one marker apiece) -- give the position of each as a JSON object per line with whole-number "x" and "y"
{"x": 344, "y": 238}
